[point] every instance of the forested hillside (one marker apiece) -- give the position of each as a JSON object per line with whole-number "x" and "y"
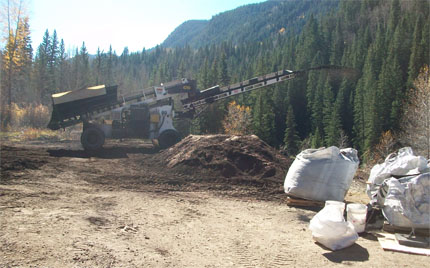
{"x": 185, "y": 33}
{"x": 386, "y": 41}
{"x": 250, "y": 23}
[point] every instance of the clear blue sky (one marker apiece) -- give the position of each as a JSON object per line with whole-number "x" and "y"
{"x": 132, "y": 23}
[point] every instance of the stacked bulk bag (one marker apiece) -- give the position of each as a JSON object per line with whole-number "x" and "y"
{"x": 401, "y": 188}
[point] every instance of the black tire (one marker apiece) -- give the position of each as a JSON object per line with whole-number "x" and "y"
{"x": 92, "y": 138}
{"x": 168, "y": 138}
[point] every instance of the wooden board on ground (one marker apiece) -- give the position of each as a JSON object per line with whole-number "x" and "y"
{"x": 388, "y": 242}
{"x": 405, "y": 230}
{"x": 298, "y": 202}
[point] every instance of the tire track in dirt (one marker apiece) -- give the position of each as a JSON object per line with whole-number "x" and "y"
{"x": 244, "y": 257}
{"x": 282, "y": 258}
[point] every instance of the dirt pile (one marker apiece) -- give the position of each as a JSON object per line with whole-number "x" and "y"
{"x": 227, "y": 156}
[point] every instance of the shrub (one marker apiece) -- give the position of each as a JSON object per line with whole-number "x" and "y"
{"x": 29, "y": 115}
{"x": 238, "y": 119}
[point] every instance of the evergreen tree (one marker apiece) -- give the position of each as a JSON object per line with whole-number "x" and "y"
{"x": 98, "y": 65}
{"x": 394, "y": 18}
{"x": 337, "y": 45}
{"x": 416, "y": 60}
{"x": 109, "y": 79}
{"x": 203, "y": 81}
{"x": 41, "y": 65}
{"x": 213, "y": 77}
{"x": 75, "y": 82}
{"x": 223, "y": 76}
{"x": 291, "y": 139}
{"x": 359, "y": 115}
{"x": 83, "y": 67}
{"x": 279, "y": 102}
{"x": 62, "y": 68}
{"x": 328, "y": 101}
{"x": 312, "y": 42}
{"x": 317, "y": 140}
{"x": 390, "y": 89}
{"x": 345, "y": 102}
{"x": 52, "y": 63}
{"x": 334, "y": 128}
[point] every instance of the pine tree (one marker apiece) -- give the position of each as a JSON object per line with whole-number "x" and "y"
{"x": 417, "y": 58}
{"x": 62, "y": 67}
{"x": 98, "y": 64}
{"x": 345, "y": 100}
{"x": 52, "y": 63}
{"x": 41, "y": 65}
{"x": 279, "y": 102}
{"x": 312, "y": 42}
{"x": 328, "y": 101}
{"x": 223, "y": 76}
{"x": 84, "y": 67}
{"x": 204, "y": 75}
{"x": 291, "y": 139}
{"x": 337, "y": 45}
{"x": 181, "y": 70}
{"x": 263, "y": 117}
{"x": 75, "y": 82}
{"x": 317, "y": 140}
{"x": 109, "y": 79}
{"x": 366, "y": 117}
{"x": 394, "y": 18}
{"x": 360, "y": 47}
{"x": 390, "y": 89}
{"x": 359, "y": 115}
{"x": 334, "y": 128}
{"x": 213, "y": 77}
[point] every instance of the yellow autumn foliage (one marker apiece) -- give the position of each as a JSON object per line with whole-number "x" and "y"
{"x": 29, "y": 115}
{"x": 238, "y": 119}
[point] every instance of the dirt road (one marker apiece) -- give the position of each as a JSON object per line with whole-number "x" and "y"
{"x": 63, "y": 208}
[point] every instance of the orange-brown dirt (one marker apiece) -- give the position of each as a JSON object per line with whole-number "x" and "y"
{"x": 209, "y": 201}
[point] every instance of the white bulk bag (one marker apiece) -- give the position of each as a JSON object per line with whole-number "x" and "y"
{"x": 407, "y": 203}
{"x": 322, "y": 174}
{"x": 330, "y": 229}
{"x": 400, "y": 164}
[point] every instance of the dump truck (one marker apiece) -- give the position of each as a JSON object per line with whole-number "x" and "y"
{"x": 149, "y": 113}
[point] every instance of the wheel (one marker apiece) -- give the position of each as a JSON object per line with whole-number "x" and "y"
{"x": 92, "y": 138}
{"x": 168, "y": 138}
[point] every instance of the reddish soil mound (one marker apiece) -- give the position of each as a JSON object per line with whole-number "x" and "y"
{"x": 227, "y": 156}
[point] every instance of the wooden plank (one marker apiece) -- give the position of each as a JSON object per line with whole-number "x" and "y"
{"x": 291, "y": 201}
{"x": 405, "y": 230}
{"x": 388, "y": 242}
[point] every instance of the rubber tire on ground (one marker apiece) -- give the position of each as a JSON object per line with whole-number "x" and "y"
{"x": 168, "y": 138}
{"x": 92, "y": 138}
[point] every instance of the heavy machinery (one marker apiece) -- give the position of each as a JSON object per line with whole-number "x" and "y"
{"x": 147, "y": 114}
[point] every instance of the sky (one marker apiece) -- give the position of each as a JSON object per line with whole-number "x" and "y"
{"x": 121, "y": 23}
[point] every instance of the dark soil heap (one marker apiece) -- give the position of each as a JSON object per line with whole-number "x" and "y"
{"x": 227, "y": 156}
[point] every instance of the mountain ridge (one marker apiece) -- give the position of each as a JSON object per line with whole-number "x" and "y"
{"x": 248, "y": 23}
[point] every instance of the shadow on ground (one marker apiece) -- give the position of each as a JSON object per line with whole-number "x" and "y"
{"x": 104, "y": 153}
{"x": 354, "y": 253}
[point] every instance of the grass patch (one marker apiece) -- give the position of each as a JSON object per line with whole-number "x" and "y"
{"x": 36, "y": 134}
